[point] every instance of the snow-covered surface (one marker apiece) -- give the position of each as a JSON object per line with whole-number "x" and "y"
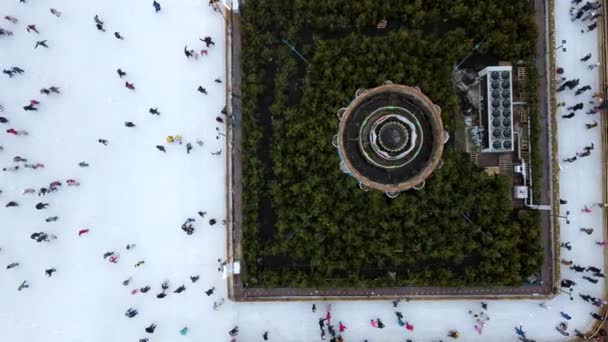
{"x": 132, "y": 193}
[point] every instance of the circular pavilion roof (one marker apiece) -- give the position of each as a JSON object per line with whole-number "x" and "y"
{"x": 390, "y": 138}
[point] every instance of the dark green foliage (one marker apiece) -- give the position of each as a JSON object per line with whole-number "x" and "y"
{"x": 459, "y": 230}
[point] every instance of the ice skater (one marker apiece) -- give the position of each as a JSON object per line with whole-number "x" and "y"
{"x": 566, "y": 245}
{"x": 588, "y": 231}
{"x": 576, "y": 107}
{"x": 131, "y": 313}
{"x": 593, "y": 66}
{"x": 118, "y": 36}
{"x": 55, "y": 12}
{"x": 11, "y": 19}
{"x": 591, "y": 280}
{"x": 154, "y": 111}
{"x": 120, "y": 73}
{"x": 24, "y": 285}
{"x": 586, "y": 58}
{"x": 591, "y": 125}
{"x": 570, "y": 160}
{"x": 99, "y": 23}
{"x": 49, "y": 272}
{"x": 156, "y": 6}
{"x": 208, "y": 41}
{"x": 129, "y": 86}
{"x": 202, "y": 90}
{"x": 569, "y": 116}
{"x": 32, "y": 28}
{"x": 41, "y": 43}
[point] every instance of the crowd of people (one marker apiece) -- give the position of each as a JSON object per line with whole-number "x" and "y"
{"x": 19, "y": 163}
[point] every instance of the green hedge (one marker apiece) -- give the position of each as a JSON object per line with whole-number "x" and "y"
{"x": 325, "y": 231}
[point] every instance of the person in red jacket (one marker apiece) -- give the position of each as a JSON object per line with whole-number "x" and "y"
{"x": 129, "y": 85}
{"x": 341, "y": 327}
{"x": 408, "y": 326}
{"x": 82, "y": 231}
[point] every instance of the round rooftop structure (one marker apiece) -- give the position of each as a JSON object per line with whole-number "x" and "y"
{"x": 390, "y": 138}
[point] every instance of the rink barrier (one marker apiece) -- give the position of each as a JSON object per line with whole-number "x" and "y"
{"x": 554, "y": 134}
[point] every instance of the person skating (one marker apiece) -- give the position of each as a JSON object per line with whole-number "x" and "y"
{"x": 576, "y": 107}
{"x": 131, "y": 313}
{"x": 144, "y": 289}
{"x": 30, "y": 107}
{"x": 210, "y": 291}
{"x": 130, "y": 86}
{"x": 380, "y": 324}
{"x": 23, "y": 285}
{"x": 589, "y": 148}
{"x": 118, "y": 36}
{"x": 409, "y": 326}
{"x": 52, "y": 219}
{"x": 55, "y": 12}
{"x": 591, "y": 125}
{"x": 314, "y": 306}
{"x": 218, "y": 80}
{"x": 265, "y": 335}
{"x": 187, "y": 52}
{"x": 161, "y": 148}
{"x": 453, "y": 334}
{"x": 562, "y": 329}
{"x": 3, "y": 120}
{"x": 566, "y": 245}
{"x": 341, "y": 327}
{"x": 143, "y": 339}
{"x": 586, "y": 298}
{"x": 586, "y": 58}
{"x": 104, "y": 142}
{"x": 49, "y": 272}
{"x": 41, "y": 205}
{"x": 184, "y": 331}
{"x": 593, "y": 269}
{"x": 99, "y": 24}
{"x": 127, "y": 281}
{"x": 45, "y": 91}
{"x": 234, "y": 331}
{"x": 180, "y": 289}
{"x": 577, "y": 268}
{"x": 216, "y": 305}
{"x": 83, "y": 164}
{"x": 55, "y": 90}
{"x": 139, "y": 263}
{"x": 11, "y": 204}
{"x": 120, "y": 73}
{"x": 4, "y": 32}
{"x": 584, "y": 154}
{"x": 596, "y": 316}
{"x": 41, "y": 43}
{"x": 194, "y": 279}
{"x": 154, "y": 111}
{"x": 156, "y": 6}
{"x": 202, "y": 90}
{"x": 322, "y": 323}
{"x": 399, "y": 318}
{"x": 568, "y": 116}
{"x": 590, "y": 27}
{"x": 129, "y": 124}
{"x": 31, "y": 28}
{"x": 12, "y": 265}
{"x": 208, "y": 41}
{"x": 593, "y": 66}
{"x": 150, "y": 329}
{"x": 591, "y": 280}
{"x": 10, "y": 73}
{"x": 11, "y": 19}
{"x": 570, "y": 160}
{"x": 588, "y": 231}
